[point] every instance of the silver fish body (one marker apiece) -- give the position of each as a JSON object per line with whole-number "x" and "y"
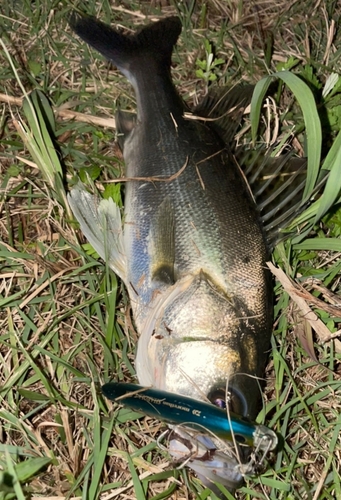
{"x": 190, "y": 249}
{"x": 196, "y": 259}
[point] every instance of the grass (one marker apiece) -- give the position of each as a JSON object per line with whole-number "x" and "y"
{"x": 65, "y": 322}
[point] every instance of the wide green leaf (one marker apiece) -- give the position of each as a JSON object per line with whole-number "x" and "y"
{"x": 312, "y": 123}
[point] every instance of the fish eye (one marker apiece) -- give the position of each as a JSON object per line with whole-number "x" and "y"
{"x": 233, "y": 398}
{"x": 218, "y": 398}
{"x": 236, "y": 402}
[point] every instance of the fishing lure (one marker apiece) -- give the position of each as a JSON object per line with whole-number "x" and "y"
{"x": 177, "y": 409}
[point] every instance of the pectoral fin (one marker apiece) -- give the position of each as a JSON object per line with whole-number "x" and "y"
{"x": 101, "y": 224}
{"x": 162, "y": 244}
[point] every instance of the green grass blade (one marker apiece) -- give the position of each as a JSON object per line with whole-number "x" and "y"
{"x": 259, "y": 93}
{"x": 101, "y": 438}
{"x": 29, "y": 468}
{"x": 312, "y": 123}
{"x": 330, "y": 244}
{"x": 15, "y": 480}
{"x": 333, "y": 186}
{"x": 138, "y": 489}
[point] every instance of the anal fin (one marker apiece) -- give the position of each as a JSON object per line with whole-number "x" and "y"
{"x": 101, "y": 223}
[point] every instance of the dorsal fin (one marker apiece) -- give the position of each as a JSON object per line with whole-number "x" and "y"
{"x": 224, "y": 108}
{"x": 276, "y": 183}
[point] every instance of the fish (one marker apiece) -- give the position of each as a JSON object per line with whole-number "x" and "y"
{"x": 190, "y": 247}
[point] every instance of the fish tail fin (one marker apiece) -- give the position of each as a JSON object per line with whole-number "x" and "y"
{"x": 155, "y": 41}
{"x": 100, "y": 222}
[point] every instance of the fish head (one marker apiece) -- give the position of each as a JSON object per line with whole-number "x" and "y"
{"x": 193, "y": 343}
{"x": 198, "y": 343}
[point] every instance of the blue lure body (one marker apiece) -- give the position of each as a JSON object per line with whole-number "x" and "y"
{"x": 177, "y": 409}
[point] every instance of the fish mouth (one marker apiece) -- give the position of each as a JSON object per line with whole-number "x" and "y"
{"x": 213, "y": 460}
{"x": 217, "y": 461}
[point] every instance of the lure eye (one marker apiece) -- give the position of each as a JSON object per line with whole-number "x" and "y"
{"x": 218, "y": 397}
